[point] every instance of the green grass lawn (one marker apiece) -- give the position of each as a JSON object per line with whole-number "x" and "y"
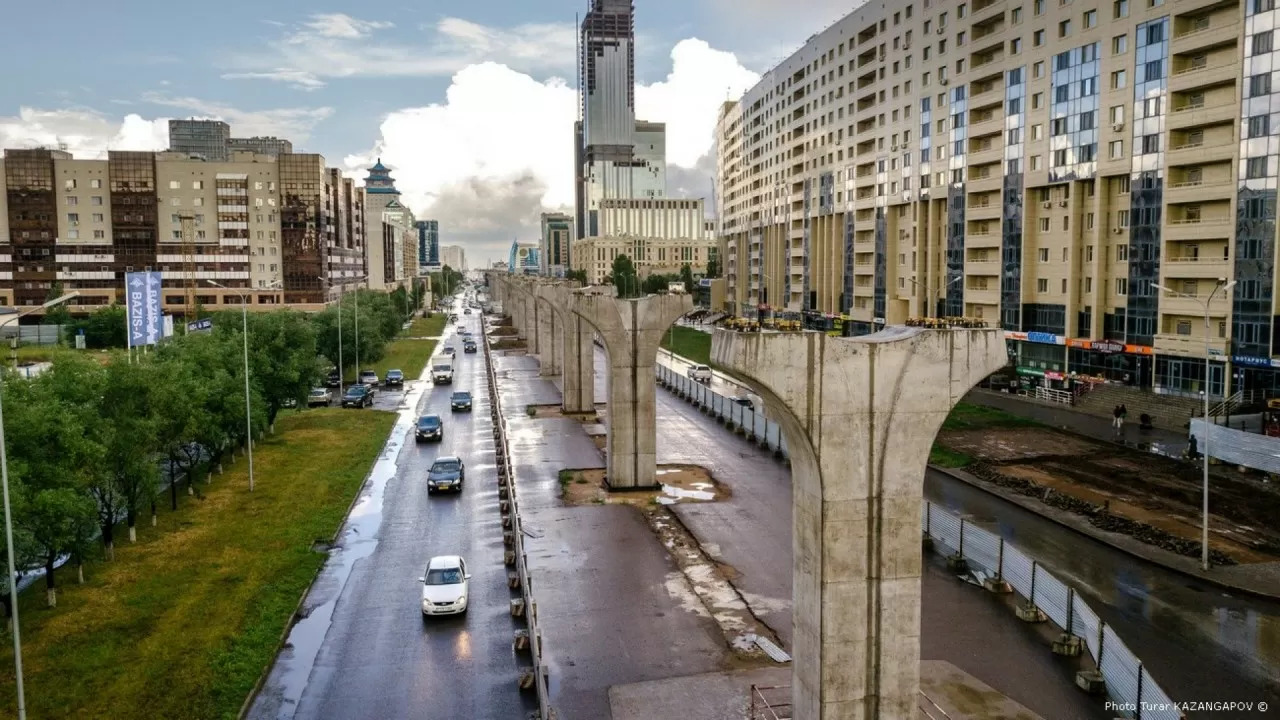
{"x": 182, "y": 623}
{"x": 967, "y": 416}
{"x": 691, "y": 344}
{"x": 408, "y": 355}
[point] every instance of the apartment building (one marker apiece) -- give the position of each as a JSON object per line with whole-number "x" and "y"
{"x": 1042, "y": 165}
{"x": 554, "y": 242}
{"x": 272, "y": 227}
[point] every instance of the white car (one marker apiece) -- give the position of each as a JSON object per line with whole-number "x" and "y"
{"x": 700, "y": 373}
{"x": 444, "y": 586}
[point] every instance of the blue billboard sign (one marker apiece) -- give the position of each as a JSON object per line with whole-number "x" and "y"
{"x": 199, "y": 325}
{"x": 142, "y": 307}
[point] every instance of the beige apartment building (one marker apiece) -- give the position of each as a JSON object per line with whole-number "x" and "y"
{"x": 1042, "y": 165}
{"x": 660, "y": 235}
{"x": 281, "y": 229}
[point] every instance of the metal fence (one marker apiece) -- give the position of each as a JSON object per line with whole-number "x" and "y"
{"x": 1128, "y": 683}
{"x": 1260, "y": 452}
{"x": 513, "y": 540}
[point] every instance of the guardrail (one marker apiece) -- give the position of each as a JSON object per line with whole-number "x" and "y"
{"x": 1127, "y": 681}
{"x": 513, "y": 543}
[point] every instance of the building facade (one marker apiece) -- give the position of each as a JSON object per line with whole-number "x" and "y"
{"x": 285, "y": 228}
{"x": 660, "y": 236}
{"x": 615, "y": 155}
{"x": 524, "y": 259}
{"x": 554, "y": 244}
{"x": 1043, "y": 166}
{"x": 454, "y": 257}
{"x": 211, "y": 140}
{"x": 428, "y": 243}
{"x": 389, "y": 258}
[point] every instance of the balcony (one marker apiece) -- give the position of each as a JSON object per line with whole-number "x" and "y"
{"x": 983, "y": 211}
{"x": 1200, "y": 152}
{"x": 989, "y": 239}
{"x": 1202, "y": 113}
{"x": 1209, "y": 228}
{"x": 983, "y": 9}
{"x": 1218, "y": 32}
{"x": 988, "y": 296}
{"x": 992, "y": 153}
{"x": 985, "y": 183}
{"x": 1197, "y": 76}
{"x": 1195, "y": 268}
{"x": 1190, "y": 345}
{"x": 982, "y": 268}
{"x": 1198, "y": 191}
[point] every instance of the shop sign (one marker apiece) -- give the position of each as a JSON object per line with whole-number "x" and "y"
{"x": 1108, "y": 347}
{"x": 1033, "y": 372}
{"x": 1014, "y": 335}
{"x": 1139, "y": 349}
{"x": 1079, "y": 343}
{"x": 1044, "y": 338}
{"x": 1050, "y": 375}
{"x": 1251, "y": 361}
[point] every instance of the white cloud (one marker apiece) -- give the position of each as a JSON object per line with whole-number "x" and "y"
{"x": 499, "y": 150}
{"x": 341, "y": 25}
{"x": 294, "y": 123}
{"x": 340, "y": 46}
{"x": 85, "y": 133}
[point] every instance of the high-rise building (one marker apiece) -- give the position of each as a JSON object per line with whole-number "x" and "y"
{"x": 387, "y": 254}
{"x": 454, "y": 257}
{"x": 522, "y": 259}
{"x": 257, "y": 220}
{"x": 660, "y": 236}
{"x": 1086, "y": 177}
{"x": 211, "y": 140}
{"x": 428, "y": 243}
{"x": 554, "y": 243}
{"x": 615, "y": 156}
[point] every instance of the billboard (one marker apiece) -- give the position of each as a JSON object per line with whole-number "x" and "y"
{"x": 142, "y": 308}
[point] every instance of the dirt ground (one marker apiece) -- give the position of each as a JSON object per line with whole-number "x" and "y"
{"x": 1161, "y": 492}
{"x": 680, "y": 483}
{"x": 552, "y": 411}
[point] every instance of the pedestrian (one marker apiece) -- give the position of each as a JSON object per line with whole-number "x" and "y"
{"x": 1124, "y": 414}
{"x": 1117, "y": 417}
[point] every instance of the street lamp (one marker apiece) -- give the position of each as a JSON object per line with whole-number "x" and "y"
{"x": 8, "y": 526}
{"x": 1224, "y": 286}
{"x": 928, "y": 293}
{"x": 248, "y": 407}
{"x": 358, "y": 280}
{"x": 322, "y": 281}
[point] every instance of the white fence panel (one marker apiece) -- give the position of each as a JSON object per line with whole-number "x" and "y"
{"x": 1120, "y": 668}
{"x": 1017, "y": 570}
{"x": 982, "y": 547}
{"x": 1052, "y": 597}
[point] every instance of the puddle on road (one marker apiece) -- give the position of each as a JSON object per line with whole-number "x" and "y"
{"x": 671, "y": 494}
{"x": 358, "y": 539}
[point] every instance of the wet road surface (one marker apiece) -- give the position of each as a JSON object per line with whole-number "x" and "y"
{"x": 1199, "y": 642}
{"x": 613, "y": 608}
{"x": 365, "y": 651}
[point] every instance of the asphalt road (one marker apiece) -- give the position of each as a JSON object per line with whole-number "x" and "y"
{"x": 365, "y": 651}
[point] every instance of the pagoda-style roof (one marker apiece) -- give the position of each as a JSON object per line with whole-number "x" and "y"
{"x": 380, "y": 181}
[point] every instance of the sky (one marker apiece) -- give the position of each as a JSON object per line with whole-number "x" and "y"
{"x": 471, "y": 104}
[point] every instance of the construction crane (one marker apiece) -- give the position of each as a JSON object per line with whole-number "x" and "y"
{"x": 189, "y": 266}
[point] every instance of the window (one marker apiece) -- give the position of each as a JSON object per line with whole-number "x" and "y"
{"x": 1059, "y": 158}
{"x": 70, "y": 184}
{"x": 1038, "y": 7}
{"x": 198, "y": 202}
{"x": 1150, "y": 144}
{"x": 1037, "y": 38}
{"x": 197, "y": 184}
{"x": 1043, "y": 255}
{"x": 1119, "y": 44}
{"x": 1061, "y": 94}
{"x": 1064, "y": 286}
{"x": 177, "y": 234}
{"x": 1117, "y": 114}
{"x": 1044, "y": 227}
{"x": 1259, "y": 125}
{"x": 98, "y": 217}
{"x": 1037, "y": 70}
{"x": 1037, "y": 100}
{"x": 1119, "y": 9}
{"x": 95, "y": 200}
{"x": 1015, "y": 46}
{"x": 73, "y": 200}
{"x": 95, "y": 183}
{"x": 1260, "y": 84}
{"x": 1035, "y": 162}
{"x": 1122, "y": 285}
{"x": 1058, "y": 127}
{"x": 1088, "y": 249}
{"x": 73, "y": 234}
{"x": 1064, "y": 28}
{"x": 1115, "y": 149}
{"x": 1256, "y": 168}
{"x": 1118, "y": 80}
{"x": 1066, "y": 225}
{"x": 959, "y": 39}
{"x": 1014, "y": 106}
{"x": 1091, "y": 19}
{"x": 174, "y": 184}
{"x": 99, "y": 234}
{"x": 1088, "y": 285}
{"x": 1042, "y": 285}
{"x": 1122, "y": 218}
{"x": 1260, "y": 43}
{"x": 1016, "y": 16}
{"x": 1086, "y": 120}
{"x": 73, "y": 218}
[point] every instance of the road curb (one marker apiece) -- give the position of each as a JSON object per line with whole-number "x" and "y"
{"x": 1152, "y": 556}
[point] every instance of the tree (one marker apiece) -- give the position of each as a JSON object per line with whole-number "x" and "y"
{"x": 58, "y": 314}
{"x": 105, "y": 328}
{"x": 401, "y": 301}
{"x": 624, "y": 277}
{"x": 686, "y": 277}
{"x": 657, "y": 283}
{"x": 579, "y": 275}
{"x": 283, "y": 358}
{"x": 713, "y": 268}
{"x": 179, "y": 403}
{"x": 129, "y": 432}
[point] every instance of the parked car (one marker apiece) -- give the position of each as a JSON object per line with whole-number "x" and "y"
{"x": 460, "y": 400}
{"x": 358, "y": 396}
{"x": 395, "y": 378}
{"x": 368, "y": 377}
{"x": 446, "y": 473}
{"x": 699, "y": 373}
{"x": 444, "y": 586}
{"x": 743, "y": 401}
{"x": 319, "y": 397}
{"x": 469, "y": 346}
{"x": 333, "y": 379}
{"x": 430, "y": 427}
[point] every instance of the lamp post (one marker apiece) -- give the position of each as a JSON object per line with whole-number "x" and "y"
{"x": 8, "y": 529}
{"x": 1224, "y": 286}
{"x": 357, "y": 317}
{"x": 928, "y": 293}
{"x": 340, "y": 379}
{"x": 248, "y": 407}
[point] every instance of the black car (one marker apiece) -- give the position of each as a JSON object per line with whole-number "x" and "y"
{"x": 333, "y": 379}
{"x": 430, "y": 427}
{"x": 461, "y": 400}
{"x": 358, "y": 396}
{"x": 468, "y": 347}
{"x": 446, "y": 473}
{"x": 395, "y": 378}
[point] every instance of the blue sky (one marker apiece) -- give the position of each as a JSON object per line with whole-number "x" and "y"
{"x": 343, "y": 79}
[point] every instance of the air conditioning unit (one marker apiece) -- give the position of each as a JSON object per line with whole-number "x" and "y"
{"x": 944, "y": 81}
{"x": 942, "y": 31}
{"x": 1117, "y": 127}
{"x": 1062, "y": 203}
{"x": 906, "y": 45}
{"x": 1117, "y": 230}
{"x": 882, "y": 55}
{"x": 893, "y": 148}
{"x": 1046, "y": 205}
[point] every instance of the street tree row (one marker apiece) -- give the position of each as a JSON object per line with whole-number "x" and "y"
{"x": 93, "y": 444}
